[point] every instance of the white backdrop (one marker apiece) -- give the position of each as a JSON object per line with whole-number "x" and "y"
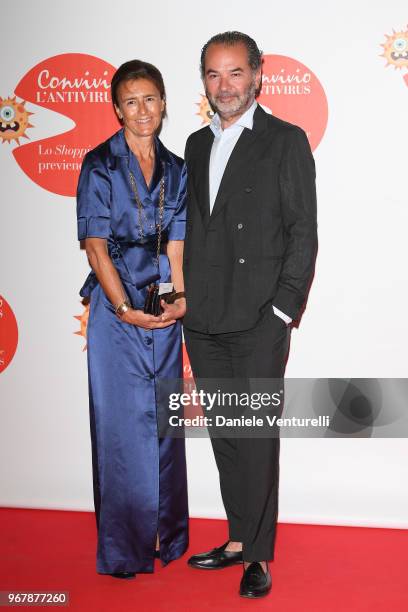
{"x": 355, "y": 324}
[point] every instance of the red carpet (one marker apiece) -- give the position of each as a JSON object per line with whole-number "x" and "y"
{"x": 316, "y": 568}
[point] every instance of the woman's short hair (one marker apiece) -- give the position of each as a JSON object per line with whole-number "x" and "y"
{"x": 133, "y": 70}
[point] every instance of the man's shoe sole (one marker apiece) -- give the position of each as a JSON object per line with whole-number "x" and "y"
{"x": 249, "y": 596}
{"x": 208, "y": 567}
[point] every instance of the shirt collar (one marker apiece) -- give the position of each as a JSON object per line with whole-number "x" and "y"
{"x": 120, "y": 148}
{"x": 244, "y": 121}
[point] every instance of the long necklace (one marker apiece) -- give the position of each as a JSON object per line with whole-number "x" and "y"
{"x": 141, "y": 211}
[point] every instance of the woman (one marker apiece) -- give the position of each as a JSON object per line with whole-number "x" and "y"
{"x": 131, "y": 215}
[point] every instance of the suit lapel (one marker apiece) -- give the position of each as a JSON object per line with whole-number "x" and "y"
{"x": 241, "y": 160}
{"x": 201, "y": 174}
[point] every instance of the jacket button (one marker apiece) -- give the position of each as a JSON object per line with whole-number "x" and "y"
{"x": 241, "y": 260}
{"x": 240, "y": 225}
{"x": 248, "y": 189}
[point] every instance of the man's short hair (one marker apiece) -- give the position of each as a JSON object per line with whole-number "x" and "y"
{"x": 234, "y": 38}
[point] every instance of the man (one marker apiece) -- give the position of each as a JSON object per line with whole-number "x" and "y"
{"x": 248, "y": 263}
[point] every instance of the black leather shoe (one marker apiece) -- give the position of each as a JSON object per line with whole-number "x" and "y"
{"x": 124, "y": 575}
{"x": 255, "y": 582}
{"x": 217, "y": 558}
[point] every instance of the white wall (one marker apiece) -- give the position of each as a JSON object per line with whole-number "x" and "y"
{"x": 355, "y": 324}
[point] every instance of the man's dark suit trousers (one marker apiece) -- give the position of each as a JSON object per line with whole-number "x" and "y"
{"x": 248, "y": 467}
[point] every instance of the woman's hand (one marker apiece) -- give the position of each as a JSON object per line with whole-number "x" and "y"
{"x": 146, "y": 321}
{"x": 173, "y": 311}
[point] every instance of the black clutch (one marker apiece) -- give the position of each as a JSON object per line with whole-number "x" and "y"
{"x": 152, "y": 304}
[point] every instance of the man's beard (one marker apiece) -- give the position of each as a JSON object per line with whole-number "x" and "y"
{"x": 237, "y": 106}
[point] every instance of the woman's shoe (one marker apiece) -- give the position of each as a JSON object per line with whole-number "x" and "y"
{"x": 124, "y": 575}
{"x": 157, "y": 554}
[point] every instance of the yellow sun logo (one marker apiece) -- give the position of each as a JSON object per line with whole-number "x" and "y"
{"x": 396, "y": 49}
{"x": 83, "y": 320}
{"x": 204, "y": 110}
{"x": 14, "y": 120}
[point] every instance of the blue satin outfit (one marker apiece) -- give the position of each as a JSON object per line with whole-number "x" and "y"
{"x": 140, "y": 486}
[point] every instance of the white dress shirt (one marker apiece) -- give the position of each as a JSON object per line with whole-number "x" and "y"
{"x": 223, "y": 145}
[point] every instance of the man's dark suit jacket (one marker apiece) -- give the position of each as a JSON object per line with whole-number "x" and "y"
{"x": 259, "y": 245}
